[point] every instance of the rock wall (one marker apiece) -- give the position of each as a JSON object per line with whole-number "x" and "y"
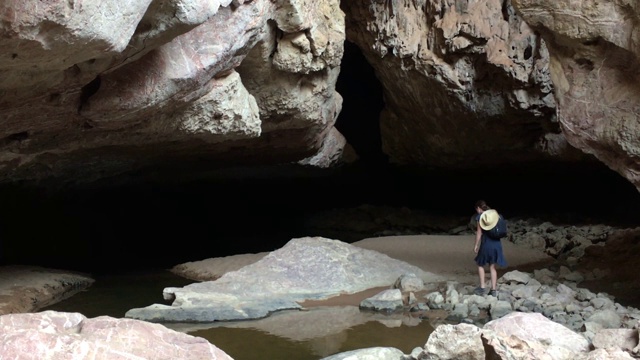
{"x": 466, "y": 83}
{"x": 168, "y": 88}
{"x": 92, "y": 91}
{"x": 594, "y": 52}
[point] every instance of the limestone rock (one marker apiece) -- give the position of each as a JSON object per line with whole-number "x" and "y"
{"x": 474, "y": 69}
{"x": 159, "y": 85}
{"x": 594, "y": 57}
{"x": 528, "y": 326}
{"x": 460, "y": 341}
{"x": 310, "y": 268}
{"x": 378, "y": 353}
{"x": 63, "y": 336}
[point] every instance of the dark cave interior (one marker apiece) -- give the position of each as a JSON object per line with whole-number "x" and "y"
{"x": 363, "y": 102}
{"x": 161, "y": 224}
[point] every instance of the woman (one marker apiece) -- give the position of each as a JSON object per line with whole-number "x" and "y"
{"x": 488, "y": 251}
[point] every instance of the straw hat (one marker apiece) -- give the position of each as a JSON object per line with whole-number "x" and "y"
{"x": 489, "y": 219}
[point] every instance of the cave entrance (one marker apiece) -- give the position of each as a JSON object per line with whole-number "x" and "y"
{"x": 359, "y": 120}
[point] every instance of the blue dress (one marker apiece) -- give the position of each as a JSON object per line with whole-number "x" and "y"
{"x": 490, "y": 251}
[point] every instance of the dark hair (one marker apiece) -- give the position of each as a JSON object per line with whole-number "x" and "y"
{"x": 482, "y": 205}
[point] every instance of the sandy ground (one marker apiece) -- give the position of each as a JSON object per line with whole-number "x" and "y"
{"x": 29, "y": 288}
{"x": 449, "y": 256}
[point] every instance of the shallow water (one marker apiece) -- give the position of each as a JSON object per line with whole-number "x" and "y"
{"x": 291, "y": 335}
{"x": 249, "y": 344}
{"x": 115, "y": 294}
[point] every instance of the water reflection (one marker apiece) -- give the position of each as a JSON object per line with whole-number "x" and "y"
{"x": 249, "y": 344}
{"x": 312, "y": 334}
{"x": 114, "y": 294}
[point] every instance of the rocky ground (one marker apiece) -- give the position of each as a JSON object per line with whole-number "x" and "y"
{"x": 590, "y": 247}
{"x": 603, "y": 256}
{"x": 581, "y": 248}
{"x": 26, "y": 289}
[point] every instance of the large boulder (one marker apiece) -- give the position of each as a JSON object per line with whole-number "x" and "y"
{"x": 71, "y": 336}
{"x": 311, "y": 268}
{"x": 535, "y": 327}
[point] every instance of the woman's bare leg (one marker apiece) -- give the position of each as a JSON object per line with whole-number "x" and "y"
{"x": 481, "y": 276}
{"x": 494, "y": 276}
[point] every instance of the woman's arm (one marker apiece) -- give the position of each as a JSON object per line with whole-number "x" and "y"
{"x": 478, "y": 237}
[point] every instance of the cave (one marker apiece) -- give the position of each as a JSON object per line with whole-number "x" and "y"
{"x": 134, "y": 225}
{"x": 338, "y": 149}
{"x": 363, "y": 102}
